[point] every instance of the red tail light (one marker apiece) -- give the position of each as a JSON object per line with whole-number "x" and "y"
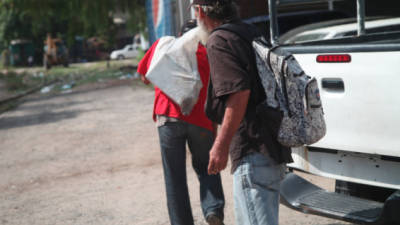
{"x": 344, "y": 58}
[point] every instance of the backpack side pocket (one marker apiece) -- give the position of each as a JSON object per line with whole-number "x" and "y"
{"x": 315, "y": 126}
{"x": 313, "y": 97}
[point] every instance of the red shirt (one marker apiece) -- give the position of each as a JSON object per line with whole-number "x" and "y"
{"x": 163, "y": 105}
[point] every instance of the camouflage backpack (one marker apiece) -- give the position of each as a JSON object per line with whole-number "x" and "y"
{"x": 287, "y": 89}
{"x": 295, "y": 93}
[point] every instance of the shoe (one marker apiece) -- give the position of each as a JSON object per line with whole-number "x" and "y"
{"x": 214, "y": 220}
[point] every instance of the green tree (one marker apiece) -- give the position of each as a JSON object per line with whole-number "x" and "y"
{"x": 33, "y": 19}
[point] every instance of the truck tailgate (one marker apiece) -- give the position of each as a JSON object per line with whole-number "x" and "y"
{"x": 363, "y": 115}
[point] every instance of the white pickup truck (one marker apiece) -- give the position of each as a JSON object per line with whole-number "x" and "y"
{"x": 359, "y": 80}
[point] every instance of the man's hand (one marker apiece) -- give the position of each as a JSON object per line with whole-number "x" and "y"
{"x": 144, "y": 80}
{"x": 234, "y": 112}
{"x": 218, "y": 158}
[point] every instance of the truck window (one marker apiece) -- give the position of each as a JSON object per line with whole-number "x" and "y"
{"x": 307, "y": 37}
{"x": 373, "y": 30}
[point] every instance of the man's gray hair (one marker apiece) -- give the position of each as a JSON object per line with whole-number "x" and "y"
{"x": 224, "y": 12}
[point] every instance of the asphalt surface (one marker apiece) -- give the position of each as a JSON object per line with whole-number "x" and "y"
{"x": 92, "y": 157}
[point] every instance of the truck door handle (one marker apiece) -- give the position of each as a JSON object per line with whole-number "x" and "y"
{"x": 333, "y": 84}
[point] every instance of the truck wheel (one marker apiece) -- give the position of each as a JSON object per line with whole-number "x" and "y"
{"x": 363, "y": 191}
{"x": 120, "y": 57}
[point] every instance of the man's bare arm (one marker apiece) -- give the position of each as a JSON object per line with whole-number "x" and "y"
{"x": 143, "y": 78}
{"x": 234, "y": 112}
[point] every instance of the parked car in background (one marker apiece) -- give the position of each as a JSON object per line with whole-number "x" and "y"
{"x": 21, "y": 53}
{"x": 129, "y": 51}
{"x": 338, "y": 29}
{"x": 96, "y": 50}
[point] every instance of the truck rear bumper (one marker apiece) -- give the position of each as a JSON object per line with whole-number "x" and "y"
{"x": 369, "y": 169}
{"x": 301, "y": 195}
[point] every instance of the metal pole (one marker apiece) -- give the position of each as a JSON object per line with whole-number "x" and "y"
{"x": 192, "y": 11}
{"x": 180, "y": 12}
{"x": 273, "y": 22}
{"x": 330, "y": 5}
{"x": 361, "y": 17}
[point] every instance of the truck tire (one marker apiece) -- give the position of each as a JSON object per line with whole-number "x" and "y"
{"x": 363, "y": 191}
{"x": 120, "y": 57}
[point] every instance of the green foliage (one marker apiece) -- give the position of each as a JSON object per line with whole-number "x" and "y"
{"x": 77, "y": 75}
{"x": 140, "y": 55}
{"x": 33, "y": 19}
{"x": 14, "y": 81}
{"x": 8, "y": 106}
{"x": 5, "y": 58}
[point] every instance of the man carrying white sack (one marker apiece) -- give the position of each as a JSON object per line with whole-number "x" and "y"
{"x": 195, "y": 129}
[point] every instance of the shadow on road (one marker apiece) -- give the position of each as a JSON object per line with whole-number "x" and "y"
{"x": 83, "y": 89}
{"x": 340, "y": 224}
{"x": 40, "y": 118}
{"x": 50, "y": 106}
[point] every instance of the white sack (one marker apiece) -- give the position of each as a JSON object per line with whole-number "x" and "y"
{"x": 173, "y": 69}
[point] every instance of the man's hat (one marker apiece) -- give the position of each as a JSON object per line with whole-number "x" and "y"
{"x": 203, "y": 2}
{"x": 209, "y": 2}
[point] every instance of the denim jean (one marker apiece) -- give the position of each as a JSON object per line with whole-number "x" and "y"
{"x": 173, "y": 138}
{"x": 256, "y": 184}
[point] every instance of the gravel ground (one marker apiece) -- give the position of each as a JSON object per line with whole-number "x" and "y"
{"x": 92, "y": 157}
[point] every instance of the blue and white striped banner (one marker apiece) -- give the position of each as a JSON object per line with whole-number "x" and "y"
{"x": 159, "y": 19}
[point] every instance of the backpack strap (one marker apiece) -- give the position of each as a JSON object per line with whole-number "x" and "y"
{"x": 241, "y": 30}
{"x": 284, "y": 62}
{"x": 269, "y": 56}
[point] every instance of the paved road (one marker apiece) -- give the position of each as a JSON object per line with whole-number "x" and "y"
{"x": 92, "y": 157}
